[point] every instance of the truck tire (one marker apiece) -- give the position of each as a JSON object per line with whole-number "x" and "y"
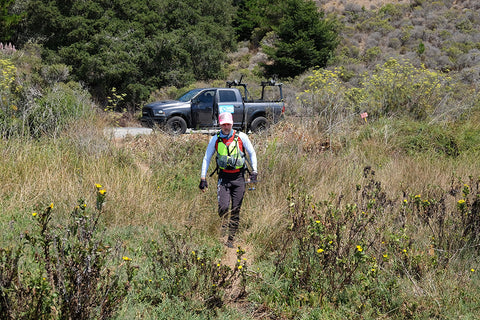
{"x": 259, "y": 124}
{"x": 176, "y": 125}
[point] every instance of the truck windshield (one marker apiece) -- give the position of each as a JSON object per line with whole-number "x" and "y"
{"x": 189, "y": 95}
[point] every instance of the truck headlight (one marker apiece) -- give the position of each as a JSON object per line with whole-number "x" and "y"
{"x": 159, "y": 113}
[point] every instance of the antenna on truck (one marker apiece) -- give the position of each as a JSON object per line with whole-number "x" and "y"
{"x": 238, "y": 83}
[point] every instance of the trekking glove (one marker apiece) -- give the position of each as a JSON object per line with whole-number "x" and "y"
{"x": 253, "y": 177}
{"x": 203, "y": 184}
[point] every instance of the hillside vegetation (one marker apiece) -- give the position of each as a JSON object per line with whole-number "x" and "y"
{"x": 367, "y": 205}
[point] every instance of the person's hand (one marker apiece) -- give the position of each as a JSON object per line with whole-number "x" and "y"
{"x": 203, "y": 185}
{"x": 253, "y": 177}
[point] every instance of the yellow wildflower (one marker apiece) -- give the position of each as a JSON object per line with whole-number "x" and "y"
{"x": 125, "y": 258}
{"x": 34, "y": 214}
{"x": 359, "y": 248}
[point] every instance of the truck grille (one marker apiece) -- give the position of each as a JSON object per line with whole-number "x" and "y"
{"x": 147, "y": 112}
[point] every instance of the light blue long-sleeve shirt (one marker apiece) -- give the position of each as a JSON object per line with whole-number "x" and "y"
{"x": 247, "y": 146}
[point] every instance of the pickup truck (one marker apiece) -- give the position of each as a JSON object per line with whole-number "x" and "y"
{"x": 199, "y": 109}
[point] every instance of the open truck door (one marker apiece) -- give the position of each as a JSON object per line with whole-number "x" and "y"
{"x": 203, "y": 109}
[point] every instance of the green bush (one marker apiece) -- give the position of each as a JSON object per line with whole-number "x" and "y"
{"x": 397, "y": 88}
{"x": 36, "y": 99}
{"x": 67, "y": 272}
{"x": 10, "y": 117}
{"x": 181, "y": 270}
{"x": 60, "y": 106}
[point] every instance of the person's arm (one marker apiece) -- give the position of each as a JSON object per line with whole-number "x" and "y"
{"x": 208, "y": 156}
{"x": 248, "y": 147}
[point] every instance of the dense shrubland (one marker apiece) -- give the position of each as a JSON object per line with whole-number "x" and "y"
{"x": 359, "y": 218}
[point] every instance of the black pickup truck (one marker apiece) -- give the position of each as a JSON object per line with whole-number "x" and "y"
{"x": 199, "y": 108}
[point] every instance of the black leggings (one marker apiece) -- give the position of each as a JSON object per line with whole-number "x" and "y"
{"x": 231, "y": 189}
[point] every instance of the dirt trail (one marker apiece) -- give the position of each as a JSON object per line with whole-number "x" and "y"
{"x": 235, "y": 296}
{"x": 230, "y": 257}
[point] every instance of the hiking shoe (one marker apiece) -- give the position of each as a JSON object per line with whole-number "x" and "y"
{"x": 229, "y": 243}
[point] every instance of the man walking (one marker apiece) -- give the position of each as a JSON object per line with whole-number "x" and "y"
{"x": 230, "y": 146}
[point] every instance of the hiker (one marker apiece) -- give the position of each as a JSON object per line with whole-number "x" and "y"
{"x": 230, "y": 146}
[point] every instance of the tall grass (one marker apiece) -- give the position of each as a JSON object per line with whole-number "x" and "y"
{"x": 152, "y": 195}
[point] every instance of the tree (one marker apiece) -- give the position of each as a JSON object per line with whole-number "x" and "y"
{"x": 135, "y": 46}
{"x": 255, "y": 18}
{"x": 8, "y": 20}
{"x": 304, "y": 39}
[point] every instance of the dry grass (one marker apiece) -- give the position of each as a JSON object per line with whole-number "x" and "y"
{"x": 153, "y": 180}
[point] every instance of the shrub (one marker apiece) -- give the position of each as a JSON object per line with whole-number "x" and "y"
{"x": 65, "y": 272}
{"x": 36, "y": 100}
{"x": 56, "y": 109}
{"x": 180, "y": 41}
{"x": 9, "y": 101}
{"x": 325, "y": 98}
{"x": 399, "y": 88}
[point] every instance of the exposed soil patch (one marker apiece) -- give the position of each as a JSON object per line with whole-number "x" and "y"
{"x": 339, "y": 5}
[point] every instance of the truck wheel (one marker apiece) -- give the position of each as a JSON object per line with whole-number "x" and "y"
{"x": 176, "y": 125}
{"x": 259, "y": 124}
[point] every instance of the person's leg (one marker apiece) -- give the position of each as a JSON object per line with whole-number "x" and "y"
{"x": 223, "y": 197}
{"x": 237, "y": 191}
